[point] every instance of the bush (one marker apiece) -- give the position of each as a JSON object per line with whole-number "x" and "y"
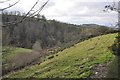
{"x": 50, "y": 57}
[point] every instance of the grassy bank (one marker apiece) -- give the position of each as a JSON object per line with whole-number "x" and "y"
{"x": 73, "y": 62}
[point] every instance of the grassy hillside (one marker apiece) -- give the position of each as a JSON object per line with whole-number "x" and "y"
{"x": 73, "y": 62}
{"x": 15, "y": 58}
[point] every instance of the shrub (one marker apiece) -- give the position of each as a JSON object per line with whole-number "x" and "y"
{"x": 50, "y": 57}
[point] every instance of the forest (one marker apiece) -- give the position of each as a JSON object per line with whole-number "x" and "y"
{"x": 48, "y": 33}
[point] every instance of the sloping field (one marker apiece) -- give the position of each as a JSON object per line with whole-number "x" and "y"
{"x": 73, "y": 62}
{"x": 16, "y": 58}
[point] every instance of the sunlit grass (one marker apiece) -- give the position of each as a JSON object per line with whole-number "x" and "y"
{"x": 73, "y": 62}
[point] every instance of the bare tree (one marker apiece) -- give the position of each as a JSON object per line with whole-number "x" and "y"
{"x": 113, "y": 7}
{"x": 116, "y": 45}
{"x": 36, "y": 12}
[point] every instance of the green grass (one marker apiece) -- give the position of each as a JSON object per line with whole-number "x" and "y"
{"x": 10, "y": 57}
{"x": 113, "y": 70}
{"x": 73, "y": 62}
{"x": 11, "y": 52}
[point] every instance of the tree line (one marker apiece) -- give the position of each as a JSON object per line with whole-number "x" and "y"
{"x": 49, "y": 33}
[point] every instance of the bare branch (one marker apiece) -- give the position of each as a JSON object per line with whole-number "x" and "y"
{"x": 40, "y": 9}
{"x": 33, "y": 14}
{"x": 9, "y": 6}
{"x": 43, "y": 6}
{"x": 15, "y": 22}
{"x": 27, "y": 13}
{"x": 4, "y": 1}
{"x": 110, "y": 7}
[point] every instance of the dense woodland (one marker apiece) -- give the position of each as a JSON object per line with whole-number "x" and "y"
{"x": 46, "y": 33}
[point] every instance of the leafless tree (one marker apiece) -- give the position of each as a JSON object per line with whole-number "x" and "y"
{"x": 112, "y": 7}
{"x": 28, "y": 14}
{"x": 116, "y": 46}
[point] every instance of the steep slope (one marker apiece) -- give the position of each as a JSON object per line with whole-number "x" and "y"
{"x": 73, "y": 62}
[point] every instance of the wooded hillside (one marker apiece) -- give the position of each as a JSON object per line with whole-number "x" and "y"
{"x": 48, "y": 33}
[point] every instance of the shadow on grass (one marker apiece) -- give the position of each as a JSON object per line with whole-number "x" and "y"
{"x": 114, "y": 66}
{"x": 113, "y": 69}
